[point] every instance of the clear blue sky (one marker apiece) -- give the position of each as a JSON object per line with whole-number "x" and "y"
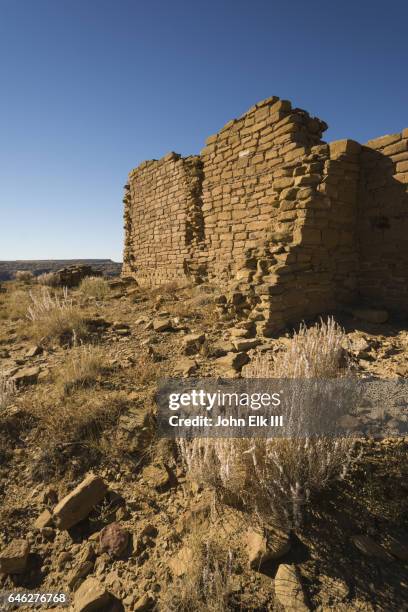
{"x": 90, "y": 88}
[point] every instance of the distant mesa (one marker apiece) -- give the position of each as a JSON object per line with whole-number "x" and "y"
{"x": 107, "y": 267}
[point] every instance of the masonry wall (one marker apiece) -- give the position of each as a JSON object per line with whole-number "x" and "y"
{"x": 287, "y": 225}
{"x": 383, "y": 222}
{"x": 163, "y": 220}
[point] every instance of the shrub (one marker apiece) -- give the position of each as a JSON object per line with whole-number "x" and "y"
{"x": 24, "y": 276}
{"x": 51, "y": 279}
{"x": 82, "y": 367}
{"x": 55, "y": 318}
{"x": 276, "y": 477}
{"x": 17, "y": 304}
{"x": 94, "y": 286}
{"x": 206, "y": 584}
{"x": 7, "y": 390}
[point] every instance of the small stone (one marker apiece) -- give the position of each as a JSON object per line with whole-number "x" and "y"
{"x": 262, "y": 547}
{"x": 156, "y": 475}
{"x": 144, "y": 604}
{"x": 192, "y": 343}
{"x": 161, "y": 325}
{"x": 245, "y": 345}
{"x": 13, "y": 559}
{"x": 33, "y": 351}
{"x": 44, "y": 520}
{"x": 78, "y": 504}
{"x": 180, "y": 563}
{"x": 90, "y": 596}
{"x": 80, "y": 571}
{"x": 26, "y": 376}
{"x": 232, "y": 361}
{"x": 185, "y": 366}
{"x": 288, "y": 589}
{"x": 113, "y": 539}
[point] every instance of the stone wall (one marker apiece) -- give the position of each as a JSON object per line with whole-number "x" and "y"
{"x": 163, "y": 220}
{"x": 287, "y": 225}
{"x": 383, "y": 222}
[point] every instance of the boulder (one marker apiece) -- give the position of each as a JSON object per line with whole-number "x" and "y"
{"x": 13, "y": 559}
{"x": 33, "y": 351}
{"x": 156, "y": 476}
{"x": 79, "y": 573}
{"x": 288, "y": 589}
{"x": 78, "y": 504}
{"x": 143, "y": 604}
{"x": 91, "y": 596}
{"x": 185, "y": 366}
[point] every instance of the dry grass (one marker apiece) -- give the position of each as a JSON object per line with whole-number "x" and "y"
{"x": 16, "y": 304}
{"x": 82, "y": 367}
{"x": 94, "y": 287}
{"x": 206, "y": 585}
{"x": 24, "y": 276}
{"x": 55, "y": 318}
{"x": 276, "y": 477}
{"x": 50, "y": 279}
{"x": 7, "y": 391}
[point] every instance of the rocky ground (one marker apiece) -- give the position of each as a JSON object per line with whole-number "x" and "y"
{"x": 95, "y": 505}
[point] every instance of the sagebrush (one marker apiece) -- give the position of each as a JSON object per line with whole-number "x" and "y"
{"x": 55, "y": 318}
{"x": 276, "y": 477}
{"x": 94, "y": 286}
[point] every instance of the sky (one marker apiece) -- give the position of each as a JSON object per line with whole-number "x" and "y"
{"x": 91, "y": 88}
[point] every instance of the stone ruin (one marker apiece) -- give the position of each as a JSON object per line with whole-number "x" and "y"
{"x": 285, "y": 224}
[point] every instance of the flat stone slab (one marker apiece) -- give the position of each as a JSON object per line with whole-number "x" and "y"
{"x": 78, "y": 504}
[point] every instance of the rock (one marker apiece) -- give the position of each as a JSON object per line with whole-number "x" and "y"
{"x": 185, "y": 366}
{"x": 245, "y": 345}
{"x": 161, "y": 325}
{"x": 44, "y": 520}
{"x": 156, "y": 475}
{"x": 221, "y": 348}
{"x": 288, "y": 589}
{"x": 80, "y": 571}
{"x": 26, "y": 376}
{"x": 91, "y": 596}
{"x": 192, "y": 343}
{"x": 262, "y": 547}
{"x": 368, "y": 547}
{"x": 232, "y": 361}
{"x": 33, "y": 351}
{"x": 143, "y": 604}
{"x": 13, "y": 559}
{"x": 123, "y": 331}
{"x": 239, "y": 332}
{"x": 332, "y": 590}
{"x": 113, "y": 539}
{"x": 181, "y": 562}
{"x": 370, "y": 315}
{"x": 78, "y": 504}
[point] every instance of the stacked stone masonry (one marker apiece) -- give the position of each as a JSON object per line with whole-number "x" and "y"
{"x": 287, "y": 225}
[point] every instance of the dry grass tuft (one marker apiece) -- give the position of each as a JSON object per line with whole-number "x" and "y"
{"x": 56, "y": 318}
{"x": 50, "y": 279}
{"x": 24, "y": 276}
{"x": 82, "y": 367}
{"x": 16, "y": 304}
{"x": 276, "y": 477}
{"x": 206, "y": 585}
{"x": 95, "y": 287}
{"x": 7, "y": 391}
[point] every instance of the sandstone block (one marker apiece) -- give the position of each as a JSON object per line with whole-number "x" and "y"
{"x": 91, "y": 596}
{"x": 13, "y": 558}
{"x": 288, "y": 589}
{"x": 78, "y": 504}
